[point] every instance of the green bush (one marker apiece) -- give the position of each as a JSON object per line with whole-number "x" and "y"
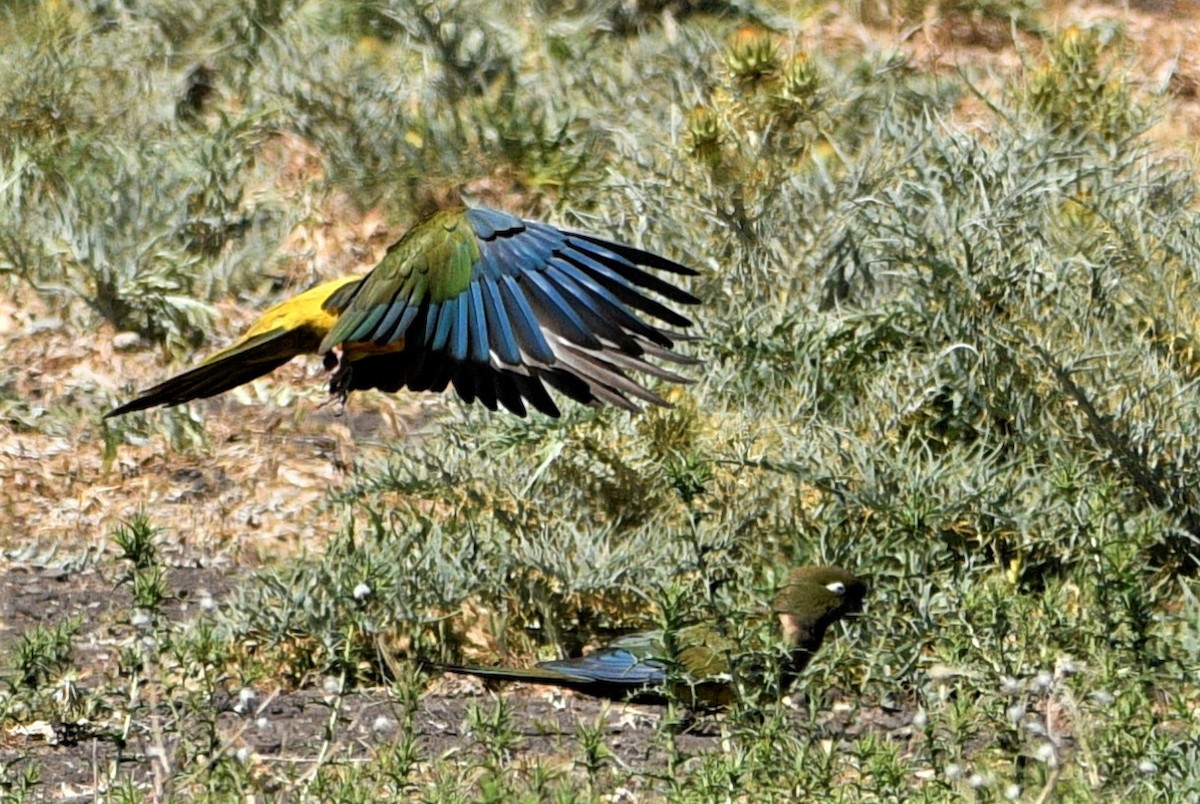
{"x": 959, "y": 362}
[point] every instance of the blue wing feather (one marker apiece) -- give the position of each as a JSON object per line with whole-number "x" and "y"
{"x": 500, "y": 330}
{"x": 550, "y": 236}
{"x": 524, "y": 253}
{"x": 444, "y": 321}
{"x": 431, "y": 321}
{"x": 477, "y": 328}
{"x": 491, "y": 262}
{"x": 613, "y": 307}
{"x": 397, "y": 321}
{"x": 564, "y": 320}
{"x": 599, "y": 269}
{"x": 370, "y": 320}
{"x": 570, "y": 291}
{"x": 528, "y": 332}
{"x": 460, "y": 319}
{"x": 618, "y": 285}
{"x": 604, "y": 315}
{"x": 488, "y": 223}
{"x": 578, "y": 244}
{"x": 531, "y": 282}
{"x": 612, "y": 665}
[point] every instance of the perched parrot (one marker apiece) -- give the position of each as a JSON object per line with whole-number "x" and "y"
{"x": 497, "y": 306}
{"x": 697, "y": 665}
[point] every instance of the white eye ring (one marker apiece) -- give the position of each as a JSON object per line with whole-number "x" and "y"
{"x": 837, "y": 587}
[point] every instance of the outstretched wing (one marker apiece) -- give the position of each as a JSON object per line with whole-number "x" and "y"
{"x": 498, "y": 306}
{"x": 290, "y": 328}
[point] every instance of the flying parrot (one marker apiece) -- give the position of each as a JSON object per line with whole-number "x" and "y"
{"x": 695, "y": 661}
{"x": 497, "y": 306}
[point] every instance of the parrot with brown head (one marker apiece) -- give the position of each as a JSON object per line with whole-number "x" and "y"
{"x": 696, "y": 660}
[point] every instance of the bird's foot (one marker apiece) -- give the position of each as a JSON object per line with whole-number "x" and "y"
{"x": 339, "y": 383}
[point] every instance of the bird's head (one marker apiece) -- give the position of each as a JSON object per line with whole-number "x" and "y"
{"x": 814, "y": 598}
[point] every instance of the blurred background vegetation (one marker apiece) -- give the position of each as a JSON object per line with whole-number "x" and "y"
{"x": 949, "y": 327}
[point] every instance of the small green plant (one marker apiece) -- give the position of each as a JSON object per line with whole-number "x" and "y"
{"x": 493, "y": 730}
{"x": 20, "y": 784}
{"x": 399, "y": 762}
{"x": 596, "y": 755}
{"x": 44, "y": 651}
{"x": 150, "y": 588}
{"x": 138, "y": 540}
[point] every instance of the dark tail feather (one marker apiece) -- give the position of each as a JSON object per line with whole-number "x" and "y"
{"x": 533, "y": 675}
{"x": 599, "y": 688}
{"x": 222, "y": 372}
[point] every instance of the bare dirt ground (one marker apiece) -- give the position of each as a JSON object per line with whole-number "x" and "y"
{"x": 256, "y": 487}
{"x": 79, "y": 758}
